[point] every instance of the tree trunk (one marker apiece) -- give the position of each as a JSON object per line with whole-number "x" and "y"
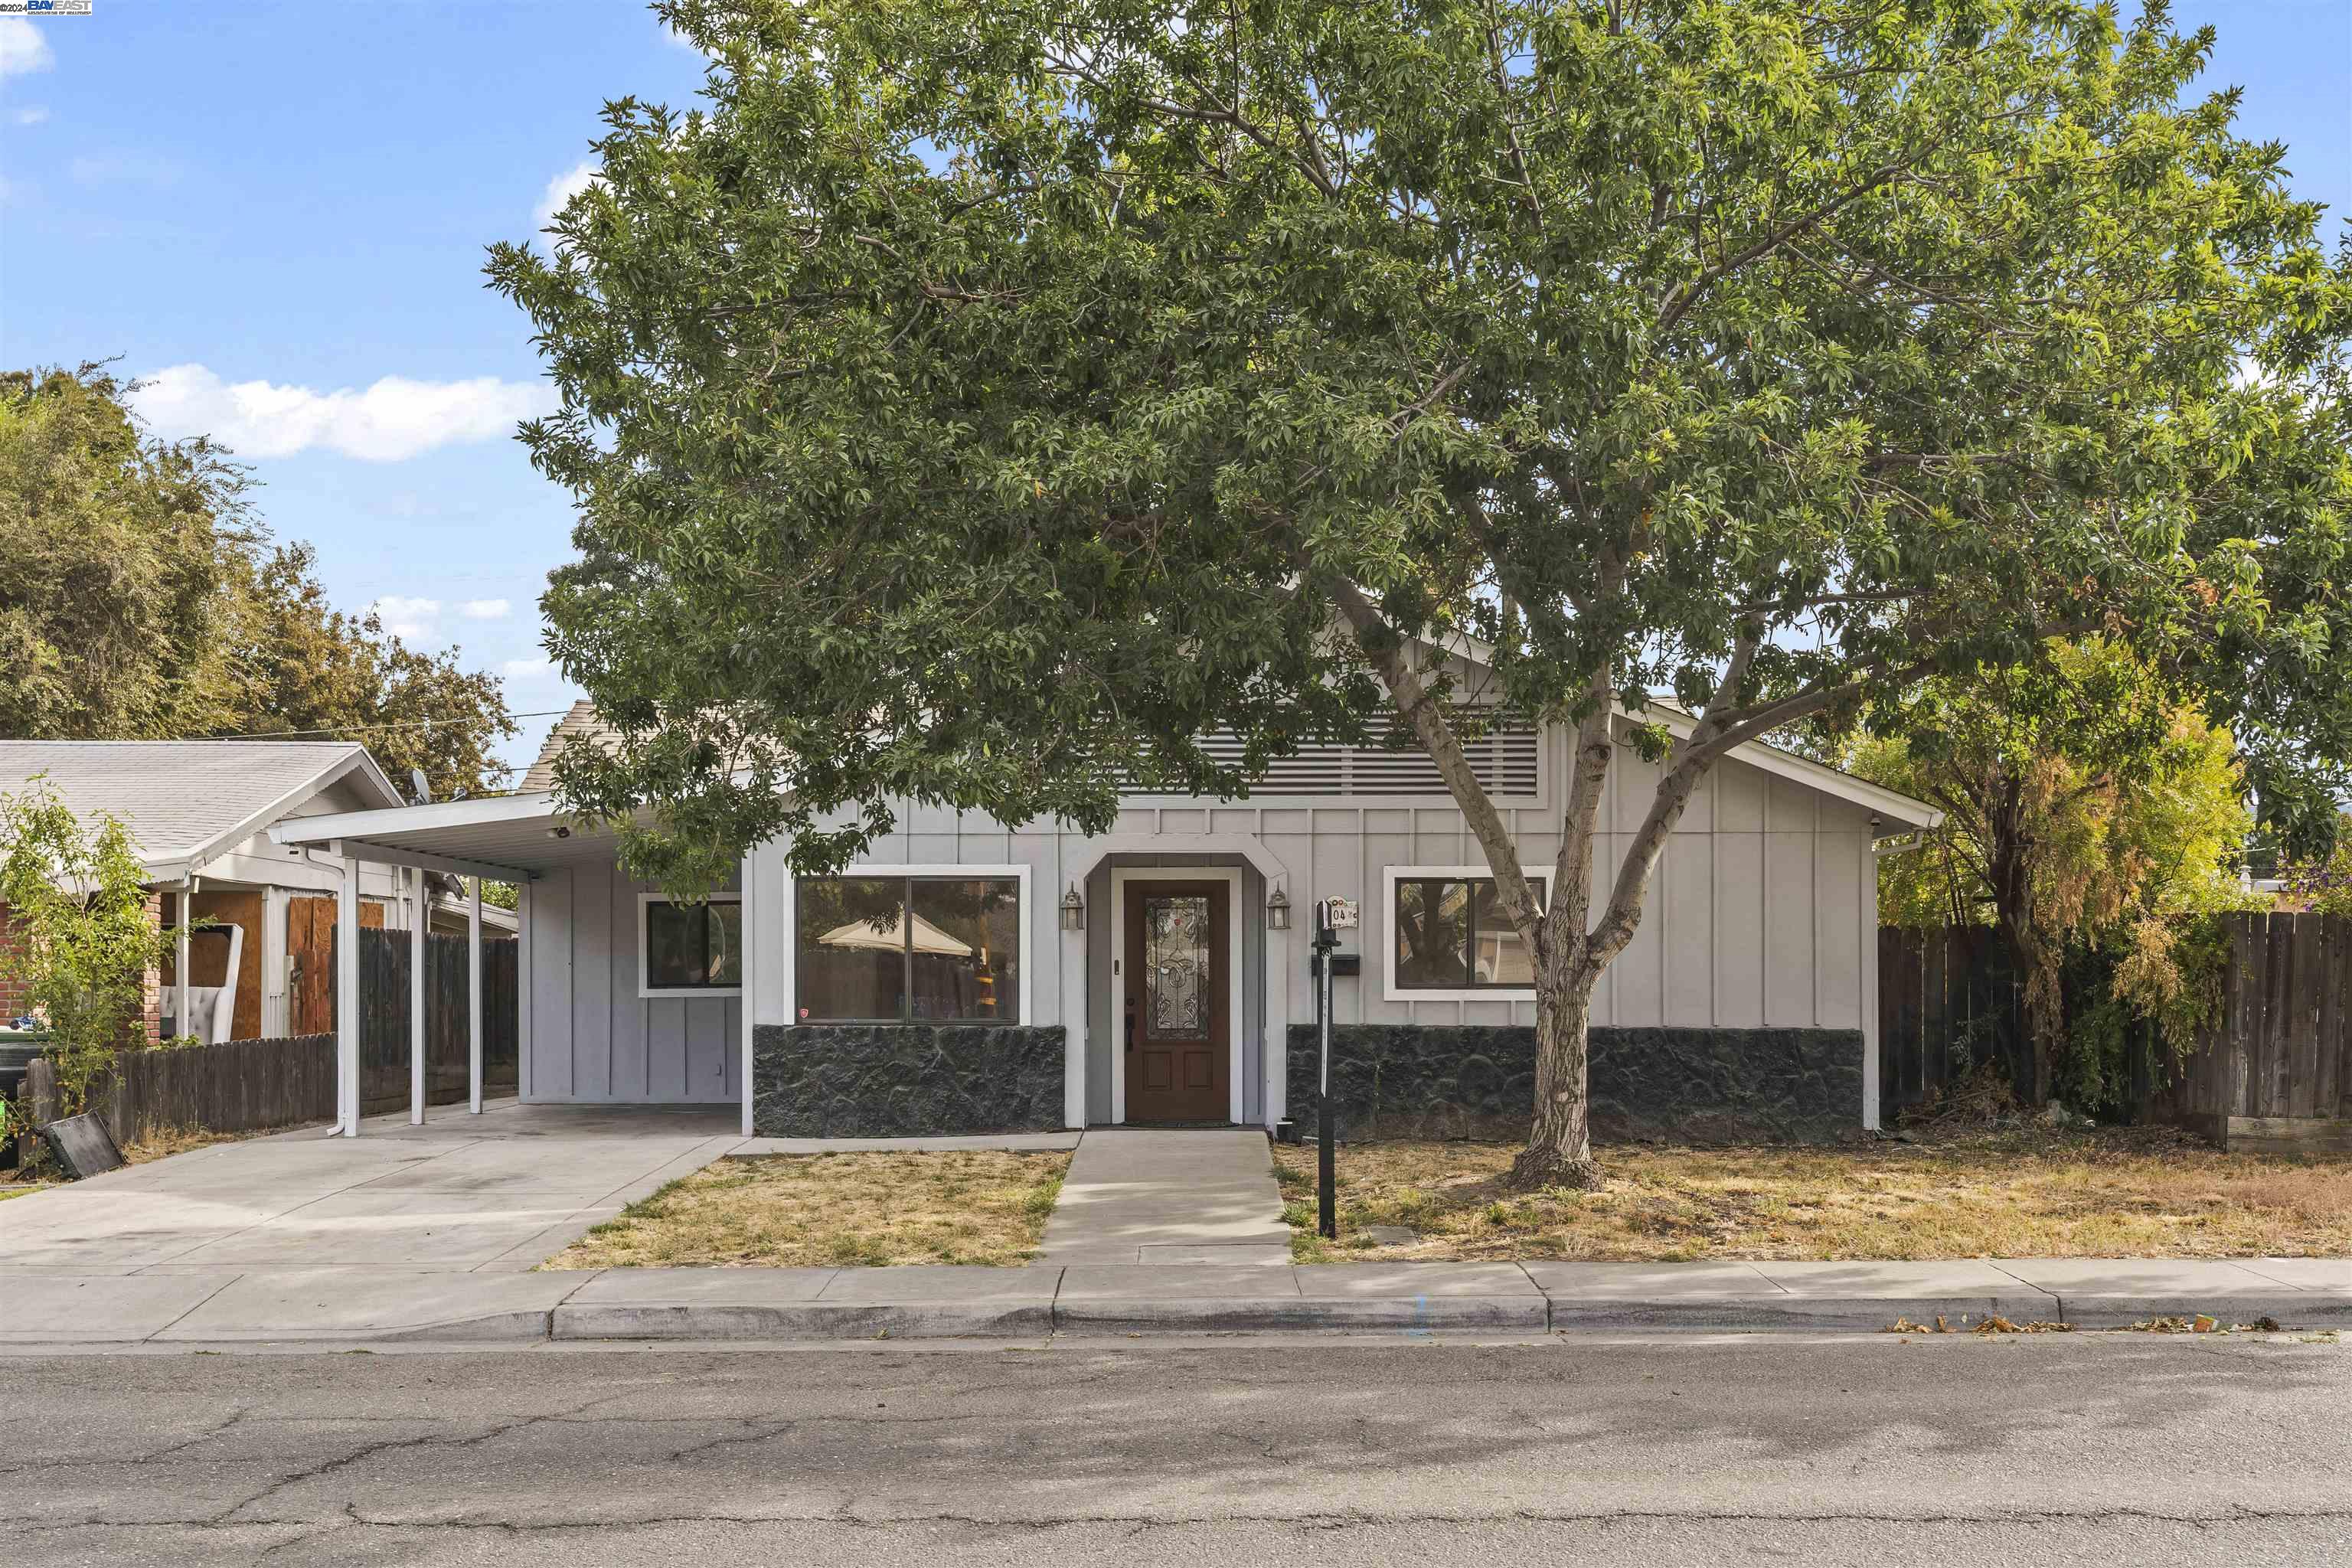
{"x": 1559, "y": 1145}
{"x": 2009, "y": 865}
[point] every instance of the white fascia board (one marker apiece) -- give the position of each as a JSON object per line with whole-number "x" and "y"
{"x": 414, "y": 819}
{"x": 1800, "y": 770}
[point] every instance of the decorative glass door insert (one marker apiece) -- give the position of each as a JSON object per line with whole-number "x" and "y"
{"x": 1176, "y": 964}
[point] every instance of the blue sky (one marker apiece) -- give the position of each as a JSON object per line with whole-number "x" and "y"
{"x": 298, "y": 195}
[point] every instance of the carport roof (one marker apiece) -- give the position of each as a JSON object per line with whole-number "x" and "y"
{"x": 506, "y": 839}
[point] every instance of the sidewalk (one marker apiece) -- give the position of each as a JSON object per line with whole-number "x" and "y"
{"x": 357, "y": 1305}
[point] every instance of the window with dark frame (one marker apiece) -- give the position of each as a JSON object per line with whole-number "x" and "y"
{"x": 694, "y": 947}
{"x": 1451, "y": 936}
{"x": 906, "y": 950}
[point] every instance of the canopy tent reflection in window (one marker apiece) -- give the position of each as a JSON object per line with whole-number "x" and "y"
{"x": 908, "y": 949}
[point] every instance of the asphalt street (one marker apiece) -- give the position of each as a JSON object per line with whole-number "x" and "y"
{"x": 2124, "y": 1449}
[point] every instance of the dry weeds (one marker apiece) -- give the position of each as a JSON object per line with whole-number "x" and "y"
{"x": 2103, "y": 1194}
{"x": 779, "y": 1211}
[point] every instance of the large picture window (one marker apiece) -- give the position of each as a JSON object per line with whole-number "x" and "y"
{"x": 692, "y": 948}
{"x": 908, "y": 950}
{"x": 1448, "y": 932}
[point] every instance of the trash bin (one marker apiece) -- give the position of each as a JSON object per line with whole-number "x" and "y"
{"x": 18, "y": 1050}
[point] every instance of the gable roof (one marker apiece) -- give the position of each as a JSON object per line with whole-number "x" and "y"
{"x": 1877, "y": 798}
{"x": 184, "y": 802}
{"x": 582, "y": 722}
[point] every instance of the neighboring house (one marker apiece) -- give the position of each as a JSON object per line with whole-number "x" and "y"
{"x": 968, "y": 976}
{"x": 199, "y": 814}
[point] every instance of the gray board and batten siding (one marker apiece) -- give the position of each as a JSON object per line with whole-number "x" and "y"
{"x": 590, "y": 1037}
{"x": 1762, "y": 914}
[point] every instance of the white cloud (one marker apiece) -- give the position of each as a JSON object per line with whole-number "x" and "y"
{"x": 393, "y": 419}
{"x": 485, "y": 609}
{"x": 124, "y": 169}
{"x": 524, "y": 669}
{"x": 562, "y": 188}
{"x": 34, "y": 115}
{"x": 407, "y": 618}
{"x": 22, "y": 47}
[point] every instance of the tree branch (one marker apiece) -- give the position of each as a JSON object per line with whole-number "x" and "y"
{"x": 1684, "y": 295}
{"x": 1385, "y": 647}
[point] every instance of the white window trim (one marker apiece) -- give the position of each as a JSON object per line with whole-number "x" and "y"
{"x": 1030, "y": 948}
{"x": 1236, "y": 1003}
{"x": 649, "y": 992}
{"x": 1389, "y": 989}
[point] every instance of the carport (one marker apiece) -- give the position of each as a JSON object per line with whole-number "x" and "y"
{"x": 520, "y": 839}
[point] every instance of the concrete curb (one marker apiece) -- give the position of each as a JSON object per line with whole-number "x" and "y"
{"x": 2301, "y": 1310}
{"x": 1827, "y": 1313}
{"x": 804, "y": 1320}
{"x": 1433, "y": 1314}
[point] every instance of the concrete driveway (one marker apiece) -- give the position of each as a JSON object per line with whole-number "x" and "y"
{"x": 494, "y": 1192}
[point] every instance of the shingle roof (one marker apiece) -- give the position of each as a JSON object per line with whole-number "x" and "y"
{"x": 540, "y": 778}
{"x": 182, "y": 799}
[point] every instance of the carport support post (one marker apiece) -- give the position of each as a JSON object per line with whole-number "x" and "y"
{"x": 347, "y": 998}
{"x": 417, "y": 922}
{"x": 474, "y": 1001}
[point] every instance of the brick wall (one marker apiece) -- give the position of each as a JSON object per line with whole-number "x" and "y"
{"x": 12, "y": 991}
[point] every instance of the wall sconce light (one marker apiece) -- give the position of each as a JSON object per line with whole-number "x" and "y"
{"x": 1074, "y": 909}
{"x": 1278, "y": 911}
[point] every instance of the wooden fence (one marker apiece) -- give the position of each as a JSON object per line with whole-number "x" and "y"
{"x": 238, "y": 1086}
{"x": 2274, "y": 1072}
{"x": 243, "y": 1086}
{"x": 384, "y": 1018}
{"x": 1949, "y": 1003}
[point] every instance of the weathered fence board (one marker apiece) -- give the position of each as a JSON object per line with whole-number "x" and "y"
{"x": 1947, "y": 1004}
{"x": 238, "y": 1086}
{"x": 243, "y": 1086}
{"x": 2278, "y": 1060}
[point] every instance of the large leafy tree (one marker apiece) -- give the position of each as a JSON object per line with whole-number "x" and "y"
{"x": 2086, "y": 806}
{"x": 977, "y": 401}
{"x": 142, "y": 599}
{"x": 316, "y": 671}
{"x": 118, "y": 570}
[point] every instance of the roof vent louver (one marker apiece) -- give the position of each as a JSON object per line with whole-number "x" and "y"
{"x": 1504, "y": 761}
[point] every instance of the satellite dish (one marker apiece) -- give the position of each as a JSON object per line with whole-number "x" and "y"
{"x": 418, "y": 787}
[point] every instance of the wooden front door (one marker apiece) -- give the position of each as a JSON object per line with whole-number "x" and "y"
{"x": 1178, "y": 1029}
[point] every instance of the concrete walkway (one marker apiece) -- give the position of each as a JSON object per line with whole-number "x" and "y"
{"x": 1150, "y": 1195}
{"x": 359, "y": 1306}
{"x": 490, "y": 1194}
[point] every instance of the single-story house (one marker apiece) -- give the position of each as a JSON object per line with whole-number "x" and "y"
{"x": 200, "y": 815}
{"x": 967, "y": 975}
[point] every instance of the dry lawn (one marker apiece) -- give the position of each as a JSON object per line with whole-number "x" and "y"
{"x": 2113, "y": 1194}
{"x": 779, "y": 1211}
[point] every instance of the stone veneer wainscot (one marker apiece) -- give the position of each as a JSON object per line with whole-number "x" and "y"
{"x": 1648, "y": 1085}
{"x": 905, "y": 1080}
